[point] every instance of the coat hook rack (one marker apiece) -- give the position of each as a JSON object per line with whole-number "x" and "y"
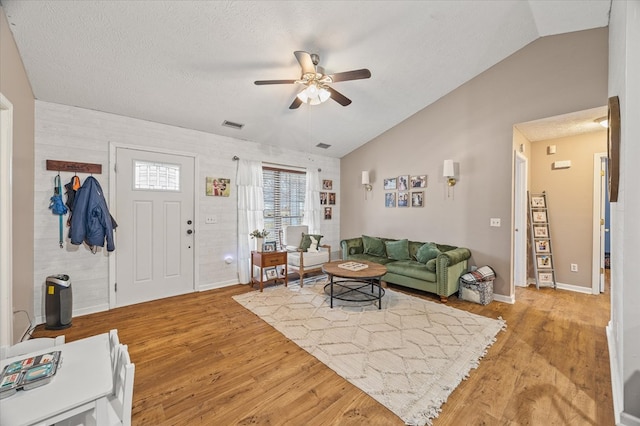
{"x": 71, "y": 166}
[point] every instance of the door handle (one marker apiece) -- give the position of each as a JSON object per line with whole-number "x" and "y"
{"x": 189, "y": 231}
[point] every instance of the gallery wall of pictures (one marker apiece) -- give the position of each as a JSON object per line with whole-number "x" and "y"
{"x": 327, "y": 199}
{"x": 405, "y": 191}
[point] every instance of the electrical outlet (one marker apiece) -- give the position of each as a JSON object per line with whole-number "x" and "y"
{"x": 574, "y": 267}
{"x": 494, "y": 221}
{"x": 210, "y": 220}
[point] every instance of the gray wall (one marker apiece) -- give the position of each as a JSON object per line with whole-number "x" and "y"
{"x": 473, "y": 125}
{"x": 15, "y": 86}
{"x": 624, "y": 329}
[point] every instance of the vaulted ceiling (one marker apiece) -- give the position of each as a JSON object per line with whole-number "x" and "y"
{"x": 193, "y": 63}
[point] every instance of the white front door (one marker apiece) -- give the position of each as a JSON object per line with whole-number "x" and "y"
{"x": 155, "y": 214}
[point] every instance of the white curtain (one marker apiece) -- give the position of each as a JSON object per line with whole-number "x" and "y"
{"x": 312, "y": 207}
{"x": 250, "y": 213}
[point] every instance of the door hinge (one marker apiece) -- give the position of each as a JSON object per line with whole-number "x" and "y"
{"x": 116, "y": 287}
{"x": 602, "y": 270}
{"x": 601, "y": 172}
{"x": 601, "y": 221}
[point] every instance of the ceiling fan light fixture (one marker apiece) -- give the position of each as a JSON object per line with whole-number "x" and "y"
{"x": 314, "y": 94}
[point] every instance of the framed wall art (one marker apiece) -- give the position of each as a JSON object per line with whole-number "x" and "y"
{"x": 537, "y": 202}
{"x": 542, "y": 246}
{"x": 403, "y": 199}
{"x": 545, "y": 277}
{"x": 327, "y": 184}
{"x": 419, "y": 181}
{"x": 540, "y": 217}
{"x": 540, "y": 232}
{"x": 403, "y": 182}
{"x": 390, "y": 199}
{"x": 328, "y": 213}
{"x": 218, "y": 187}
{"x": 417, "y": 199}
{"x": 390, "y": 183}
{"x": 544, "y": 262}
{"x": 323, "y": 198}
{"x": 332, "y": 198}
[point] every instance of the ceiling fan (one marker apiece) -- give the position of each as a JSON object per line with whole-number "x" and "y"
{"x": 317, "y": 83}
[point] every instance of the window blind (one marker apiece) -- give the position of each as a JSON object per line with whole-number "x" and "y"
{"x": 284, "y": 193}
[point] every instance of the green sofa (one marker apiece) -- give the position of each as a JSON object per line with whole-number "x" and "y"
{"x": 431, "y": 267}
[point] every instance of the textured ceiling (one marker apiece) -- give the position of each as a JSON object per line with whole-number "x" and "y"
{"x": 193, "y": 63}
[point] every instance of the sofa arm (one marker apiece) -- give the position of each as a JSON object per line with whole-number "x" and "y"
{"x": 351, "y": 246}
{"x": 454, "y": 256}
{"x": 450, "y": 265}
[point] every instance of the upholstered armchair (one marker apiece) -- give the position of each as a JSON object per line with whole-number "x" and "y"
{"x": 299, "y": 244}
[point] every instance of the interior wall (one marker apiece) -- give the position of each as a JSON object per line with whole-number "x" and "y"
{"x": 570, "y": 201}
{"x": 15, "y": 86}
{"x": 624, "y": 329}
{"x": 473, "y": 125}
{"x": 77, "y": 134}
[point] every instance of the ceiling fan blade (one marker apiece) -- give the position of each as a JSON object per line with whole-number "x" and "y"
{"x": 263, "y": 82}
{"x": 305, "y": 61}
{"x": 296, "y": 103}
{"x": 339, "y": 97}
{"x": 351, "y": 75}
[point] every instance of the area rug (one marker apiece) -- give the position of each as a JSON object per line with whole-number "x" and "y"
{"x": 409, "y": 356}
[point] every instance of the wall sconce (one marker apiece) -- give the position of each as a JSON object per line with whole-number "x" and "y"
{"x": 448, "y": 171}
{"x": 365, "y": 183}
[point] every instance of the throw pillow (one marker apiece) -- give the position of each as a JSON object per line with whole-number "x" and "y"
{"x": 427, "y": 252}
{"x": 398, "y": 250}
{"x": 431, "y": 265}
{"x": 306, "y": 241}
{"x": 373, "y": 246}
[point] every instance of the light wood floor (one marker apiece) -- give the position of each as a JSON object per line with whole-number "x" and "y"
{"x": 202, "y": 359}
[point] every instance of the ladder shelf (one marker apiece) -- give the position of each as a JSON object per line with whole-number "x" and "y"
{"x": 543, "y": 264}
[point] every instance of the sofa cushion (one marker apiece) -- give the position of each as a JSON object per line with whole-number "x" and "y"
{"x": 411, "y": 268}
{"x": 397, "y": 250}
{"x": 306, "y": 241}
{"x": 427, "y": 252}
{"x": 431, "y": 265}
{"x": 374, "y": 246}
{"x": 310, "y": 259}
{"x": 370, "y": 258}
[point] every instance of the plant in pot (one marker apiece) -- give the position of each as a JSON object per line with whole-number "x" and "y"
{"x": 259, "y": 236}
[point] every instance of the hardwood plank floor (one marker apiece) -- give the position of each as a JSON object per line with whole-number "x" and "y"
{"x": 202, "y": 359}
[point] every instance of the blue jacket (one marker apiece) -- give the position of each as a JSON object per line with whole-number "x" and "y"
{"x": 91, "y": 221}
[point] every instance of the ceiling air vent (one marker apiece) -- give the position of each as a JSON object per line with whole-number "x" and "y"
{"x": 233, "y": 125}
{"x": 323, "y": 145}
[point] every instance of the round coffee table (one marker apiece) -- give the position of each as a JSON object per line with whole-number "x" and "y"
{"x": 361, "y": 285}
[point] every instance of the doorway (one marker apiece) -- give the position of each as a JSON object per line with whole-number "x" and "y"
{"x": 520, "y": 221}
{"x": 6, "y": 242}
{"x": 155, "y": 211}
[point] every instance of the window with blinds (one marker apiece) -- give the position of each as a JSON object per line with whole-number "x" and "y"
{"x": 284, "y": 192}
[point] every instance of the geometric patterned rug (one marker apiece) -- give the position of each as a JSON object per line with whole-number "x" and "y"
{"x": 409, "y": 356}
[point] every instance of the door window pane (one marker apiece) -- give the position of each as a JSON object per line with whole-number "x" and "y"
{"x": 156, "y": 176}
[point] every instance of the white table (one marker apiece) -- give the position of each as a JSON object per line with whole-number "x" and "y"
{"x": 81, "y": 384}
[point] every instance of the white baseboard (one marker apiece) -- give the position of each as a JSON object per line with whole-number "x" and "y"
{"x": 504, "y": 299}
{"x": 628, "y": 420}
{"x": 211, "y": 286}
{"x": 78, "y": 312}
{"x": 576, "y": 288}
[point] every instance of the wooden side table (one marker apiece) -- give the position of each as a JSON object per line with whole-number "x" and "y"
{"x": 267, "y": 259}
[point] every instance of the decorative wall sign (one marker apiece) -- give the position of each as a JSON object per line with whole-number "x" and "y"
{"x": 613, "y": 147}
